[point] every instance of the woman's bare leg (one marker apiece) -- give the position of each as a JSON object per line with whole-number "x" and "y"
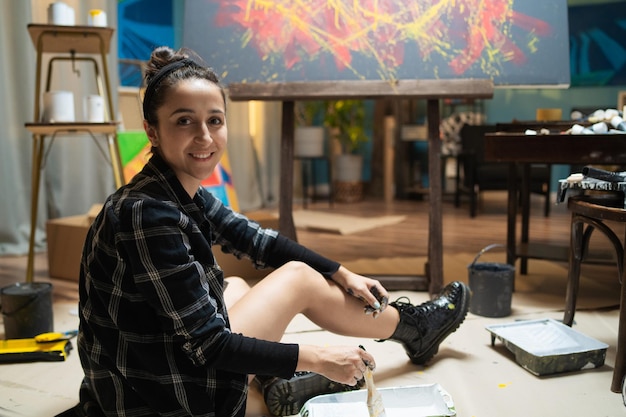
{"x": 266, "y": 309}
{"x": 236, "y": 288}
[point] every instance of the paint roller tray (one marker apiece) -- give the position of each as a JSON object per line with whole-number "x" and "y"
{"x": 547, "y": 346}
{"x": 412, "y": 401}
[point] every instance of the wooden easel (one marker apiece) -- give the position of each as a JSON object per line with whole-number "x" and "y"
{"x": 431, "y": 90}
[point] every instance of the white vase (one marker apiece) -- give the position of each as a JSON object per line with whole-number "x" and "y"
{"x": 309, "y": 141}
{"x": 348, "y": 167}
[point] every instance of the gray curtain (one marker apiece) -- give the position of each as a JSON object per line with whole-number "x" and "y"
{"x": 76, "y": 174}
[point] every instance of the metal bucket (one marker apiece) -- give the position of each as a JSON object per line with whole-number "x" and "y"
{"x": 26, "y": 309}
{"x": 491, "y": 284}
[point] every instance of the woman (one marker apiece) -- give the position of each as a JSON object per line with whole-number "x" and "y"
{"x": 163, "y": 333}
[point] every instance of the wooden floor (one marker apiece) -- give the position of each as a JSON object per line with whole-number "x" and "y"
{"x": 408, "y": 238}
{"x": 498, "y": 385}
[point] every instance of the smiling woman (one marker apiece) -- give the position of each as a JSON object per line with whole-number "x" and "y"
{"x": 191, "y": 134}
{"x": 162, "y": 331}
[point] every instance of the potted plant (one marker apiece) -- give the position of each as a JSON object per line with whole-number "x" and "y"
{"x": 308, "y": 138}
{"x": 346, "y": 121}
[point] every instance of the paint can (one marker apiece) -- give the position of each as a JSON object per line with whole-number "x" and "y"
{"x": 491, "y": 284}
{"x": 26, "y": 309}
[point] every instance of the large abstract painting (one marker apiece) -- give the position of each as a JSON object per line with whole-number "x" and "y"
{"x": 513, "y": 42}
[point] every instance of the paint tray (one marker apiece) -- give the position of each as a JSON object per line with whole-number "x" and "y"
{"x": 412, "y": 401}
{"x": 547, "y": 346}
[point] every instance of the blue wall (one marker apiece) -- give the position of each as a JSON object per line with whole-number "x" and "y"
{"x": 520, "y": 104}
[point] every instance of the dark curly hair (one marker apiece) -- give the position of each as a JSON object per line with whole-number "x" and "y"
{"x": 165, "y": 69}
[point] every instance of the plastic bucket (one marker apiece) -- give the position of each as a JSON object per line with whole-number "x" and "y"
{"x": 491, "y": 284}
{"x": 26, "y": 309}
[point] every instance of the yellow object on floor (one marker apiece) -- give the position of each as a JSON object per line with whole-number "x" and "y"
{"x": 30, "y": 350}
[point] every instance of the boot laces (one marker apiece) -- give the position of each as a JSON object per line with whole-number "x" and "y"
{"x": 420, "y": 315}
{"x": 424, "y": 309}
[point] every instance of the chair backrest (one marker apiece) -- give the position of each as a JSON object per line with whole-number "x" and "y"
{"x": 473, "y": 140}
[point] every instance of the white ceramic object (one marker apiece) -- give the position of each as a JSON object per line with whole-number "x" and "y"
{"x": 61, "y": 14}
{"x": 58, "y": 106}
{"x": 309, "y": 141}
{"x": 94, "y": 108}
{"x": 97, "y": 17}
{"x": 348, "y": 167}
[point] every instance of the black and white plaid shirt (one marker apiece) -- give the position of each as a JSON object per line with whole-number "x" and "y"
{"x": 154, "y": 333}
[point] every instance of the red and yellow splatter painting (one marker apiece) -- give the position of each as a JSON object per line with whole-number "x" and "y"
{"x": 464, "y": 34}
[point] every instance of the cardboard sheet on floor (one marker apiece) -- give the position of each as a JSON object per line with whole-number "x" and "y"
{"x": 340, "y": 223}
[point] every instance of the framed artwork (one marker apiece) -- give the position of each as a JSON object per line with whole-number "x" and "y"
{"x": 598, "y": 44}
{"x": 512, "y": 42}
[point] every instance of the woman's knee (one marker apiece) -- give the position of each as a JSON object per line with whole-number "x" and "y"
{"x": 300, "y": 274}
{"x": 235, "y": 288}
{"x": 298, "y": 269}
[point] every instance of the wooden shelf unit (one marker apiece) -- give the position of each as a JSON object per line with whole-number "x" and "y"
{"x": 75, "y": 43}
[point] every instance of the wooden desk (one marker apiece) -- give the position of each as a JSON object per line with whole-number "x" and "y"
{"x": 431, "y": 90}
{"x": 520, "y": 149}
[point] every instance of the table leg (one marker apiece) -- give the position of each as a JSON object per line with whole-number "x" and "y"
{"x": 285, "y": 205}
{"x": 511, "y": 214}
{"x": 525, "y": 197}
{"x": 434, "y": 268}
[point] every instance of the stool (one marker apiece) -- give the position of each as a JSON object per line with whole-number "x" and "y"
{"x": 309, "y": 172}
{"x": 593, "y": 210}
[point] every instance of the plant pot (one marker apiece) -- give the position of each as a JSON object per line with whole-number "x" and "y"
{"x": 348, "y": 168}
{"x": 309, "y": 141}
{"x": 348, "y": 185}
{"x": 348, "y": 192}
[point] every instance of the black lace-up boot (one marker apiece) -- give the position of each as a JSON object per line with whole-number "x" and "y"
{"x": 285, "y": 397}
{"x": 423, "y": 327}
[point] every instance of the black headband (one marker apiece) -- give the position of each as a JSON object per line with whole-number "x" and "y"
{"x": 158, "y": 77}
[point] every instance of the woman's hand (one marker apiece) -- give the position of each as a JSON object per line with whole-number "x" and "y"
{"x": 344, "y": 364}
{"x": 369, "y": 290}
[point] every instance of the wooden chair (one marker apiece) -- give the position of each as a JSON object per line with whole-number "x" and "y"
{"x": 593, "y": 211}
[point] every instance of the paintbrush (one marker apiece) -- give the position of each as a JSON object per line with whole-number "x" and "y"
{"x": 375, "y": 405}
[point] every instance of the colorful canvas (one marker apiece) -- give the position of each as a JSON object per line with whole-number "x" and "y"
{"x": 142, "y": 24}
{"x": 135, "y": 152}
{"x": 220, "y": 184}
{"x": 509, "y": 41}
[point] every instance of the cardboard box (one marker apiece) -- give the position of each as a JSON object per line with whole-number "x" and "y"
{"x": 66, "y": 237}
{"x": 93, "y": 212}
